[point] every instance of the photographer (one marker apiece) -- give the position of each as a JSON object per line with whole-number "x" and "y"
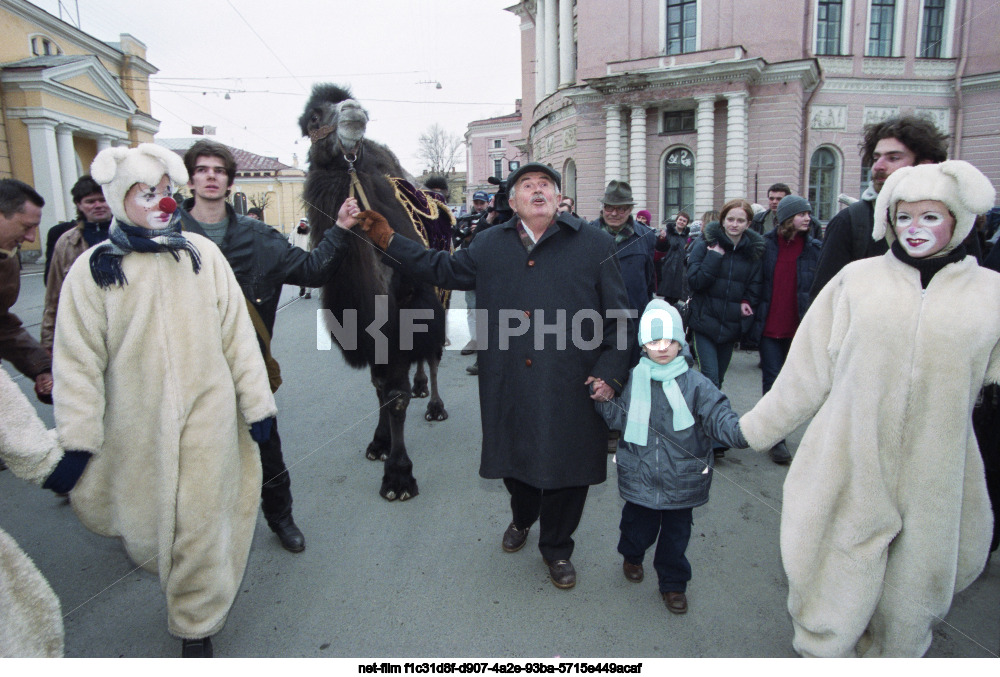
{"x": 465, "y": 230}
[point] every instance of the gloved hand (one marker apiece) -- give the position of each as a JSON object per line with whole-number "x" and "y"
{"x": 377, "y": 227}
{"x": 261, "y": 430}
{"x": 67, "y": 472}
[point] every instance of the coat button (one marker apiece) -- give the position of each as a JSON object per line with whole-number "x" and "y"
{"x": 531, "y": 263}
{"x": 527, "y": 362}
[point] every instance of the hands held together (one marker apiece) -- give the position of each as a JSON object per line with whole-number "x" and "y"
{"x": 372, "y": 223}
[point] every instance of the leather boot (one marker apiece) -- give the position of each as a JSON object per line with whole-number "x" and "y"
{"x": 289, "y": 534}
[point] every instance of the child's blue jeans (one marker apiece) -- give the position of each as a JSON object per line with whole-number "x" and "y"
{"x": 639, "y": 529}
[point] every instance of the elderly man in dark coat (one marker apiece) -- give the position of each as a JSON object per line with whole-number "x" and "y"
{"x": 552, "y": 295}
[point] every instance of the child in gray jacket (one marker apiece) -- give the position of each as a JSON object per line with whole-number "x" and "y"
{"x": 665, "y": 457}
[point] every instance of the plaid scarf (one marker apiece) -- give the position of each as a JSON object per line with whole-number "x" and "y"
{"x": 620, "y": 235}
{"x": 106, "y": 261}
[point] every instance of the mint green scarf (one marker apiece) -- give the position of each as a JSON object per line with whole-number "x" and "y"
{"x": 643, "y": 375}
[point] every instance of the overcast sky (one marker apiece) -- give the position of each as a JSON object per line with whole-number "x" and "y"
{"x": 268, "y": 53}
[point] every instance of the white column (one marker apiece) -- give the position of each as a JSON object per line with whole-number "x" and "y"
{"x": 637, "y": 157}
{"x": 567, "y": 74}
{"x": 540, "y": 49}
{"x": 623, "y": 145}
{"x": 612, "y": 144}
{"x": 551, "y": 46}
{"x": 704, "y": 173}
{"x": 45, "y": 170}
{"x": 67, "y": 166}
{"x": 103, "y": 142}
{"x": 736, "y": 145}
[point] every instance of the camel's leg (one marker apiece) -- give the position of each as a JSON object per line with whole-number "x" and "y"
{"x": 397, "y": 479}
{"x": 420, "y": 381}
{"x": 378, "y": 448}
{"x": 435, "y": 407}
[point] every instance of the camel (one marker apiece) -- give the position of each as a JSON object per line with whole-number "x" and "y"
{"x": 365, "y": 292}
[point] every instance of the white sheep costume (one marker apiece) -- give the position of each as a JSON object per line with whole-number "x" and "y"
{"x": 885, "y": 513}
{"x": 30, "y": 619}
{"x": 159, "y": 378}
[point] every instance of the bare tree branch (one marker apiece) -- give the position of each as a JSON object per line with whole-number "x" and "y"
{"x": 259, "y": 200}
{"x": 439, "y": 149}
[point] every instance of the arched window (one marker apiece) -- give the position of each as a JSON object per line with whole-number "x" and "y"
{"x": 569, "y": 179}
{"x": 240, "y": 203}
{"x": 678, "y": 183}
{"x": 824, "y": 183}
{"x": 43, "y": 45}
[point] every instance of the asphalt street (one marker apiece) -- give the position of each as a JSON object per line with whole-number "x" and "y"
{"x": 427, "y": 577}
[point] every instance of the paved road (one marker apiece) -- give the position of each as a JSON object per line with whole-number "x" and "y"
{"x": 427, "y": 577}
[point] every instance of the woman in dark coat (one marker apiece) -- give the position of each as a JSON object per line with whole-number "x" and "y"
{"x": 673, "y": 266}
{"x": 725, "y": 274}
{"x": 791, "y": 256}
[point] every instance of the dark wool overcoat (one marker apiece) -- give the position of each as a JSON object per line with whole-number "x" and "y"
{"x": 673, "y": 269}
{"x": 805, "y": 274}
{"x": 539, "y": 423}
{"x": 720, "y": 283}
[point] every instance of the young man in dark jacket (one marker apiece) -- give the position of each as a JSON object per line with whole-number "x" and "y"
{"x": 262, "y": 260}
{"x": 887, "y": 146}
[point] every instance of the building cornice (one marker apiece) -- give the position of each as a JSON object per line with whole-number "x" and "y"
{"x": 888, "y": 87}
{"x": 33, "y": 115}
{"x": 141, "y": 122}
{"x": 751, "y": 71}
{"x": 981, "y": 83}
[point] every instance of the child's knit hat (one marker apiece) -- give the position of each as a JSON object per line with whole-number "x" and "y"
{"x": 117, "y": 169}
{"x": 660, "y": 320}
{"x": 959, "y": 185}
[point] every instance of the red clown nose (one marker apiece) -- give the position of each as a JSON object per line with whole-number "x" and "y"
{"x": 168, "y": 205}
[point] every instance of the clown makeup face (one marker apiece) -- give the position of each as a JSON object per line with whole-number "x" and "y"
{"x": 662, "y": 351}
{"x": 142, "y": 204}
{"x": 923, "y": 228}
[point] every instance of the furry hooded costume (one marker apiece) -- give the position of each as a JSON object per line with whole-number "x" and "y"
{"x": 160, "y": 378}
{"x": 30, "y": 619}
{"x": 885, "y": 513}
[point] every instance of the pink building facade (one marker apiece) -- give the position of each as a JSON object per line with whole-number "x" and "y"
{"x": 695, "y": 102}
{"x": 490, "y": 149}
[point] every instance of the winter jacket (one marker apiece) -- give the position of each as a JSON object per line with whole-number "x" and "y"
{"x": 16, "y": 345}
{"x": 539, "y": 423}
{"x": 885, "y": 514}
{"x": 721, "y": 282}
{"x": 673, "y": 268}
{"x": 674, "y": 470}
{"x": 160, "y": 379}
{"x": 30, "y": 618}
{"x": 635, "y": 256}
{"x": 67, "y": 249}
{"x": 805, "y": 273}
{"x": 263, "y": 260}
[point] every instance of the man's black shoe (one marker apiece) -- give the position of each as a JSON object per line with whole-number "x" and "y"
{"x": 514, "y": 538}
{"x": 196, "y": 648}
{"x": 291, "y": 536}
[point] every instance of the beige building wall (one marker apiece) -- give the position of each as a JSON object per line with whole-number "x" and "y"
{"x": 65, "y": 95}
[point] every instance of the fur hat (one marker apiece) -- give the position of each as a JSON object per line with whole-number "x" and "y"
{"x": 790, "y": 206}
{"x": 118, "y": 169}
{"x": 961, "y": 187}
{"x": 660, "y": 320}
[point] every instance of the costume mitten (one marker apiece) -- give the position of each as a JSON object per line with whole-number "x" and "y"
{"x": 261, "y": 430}
{"x": 377, "y": 227}
{"x": 67, "y": 472}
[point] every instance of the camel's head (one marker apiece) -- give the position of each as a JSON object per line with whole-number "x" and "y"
{"x": 334, "y": 122}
